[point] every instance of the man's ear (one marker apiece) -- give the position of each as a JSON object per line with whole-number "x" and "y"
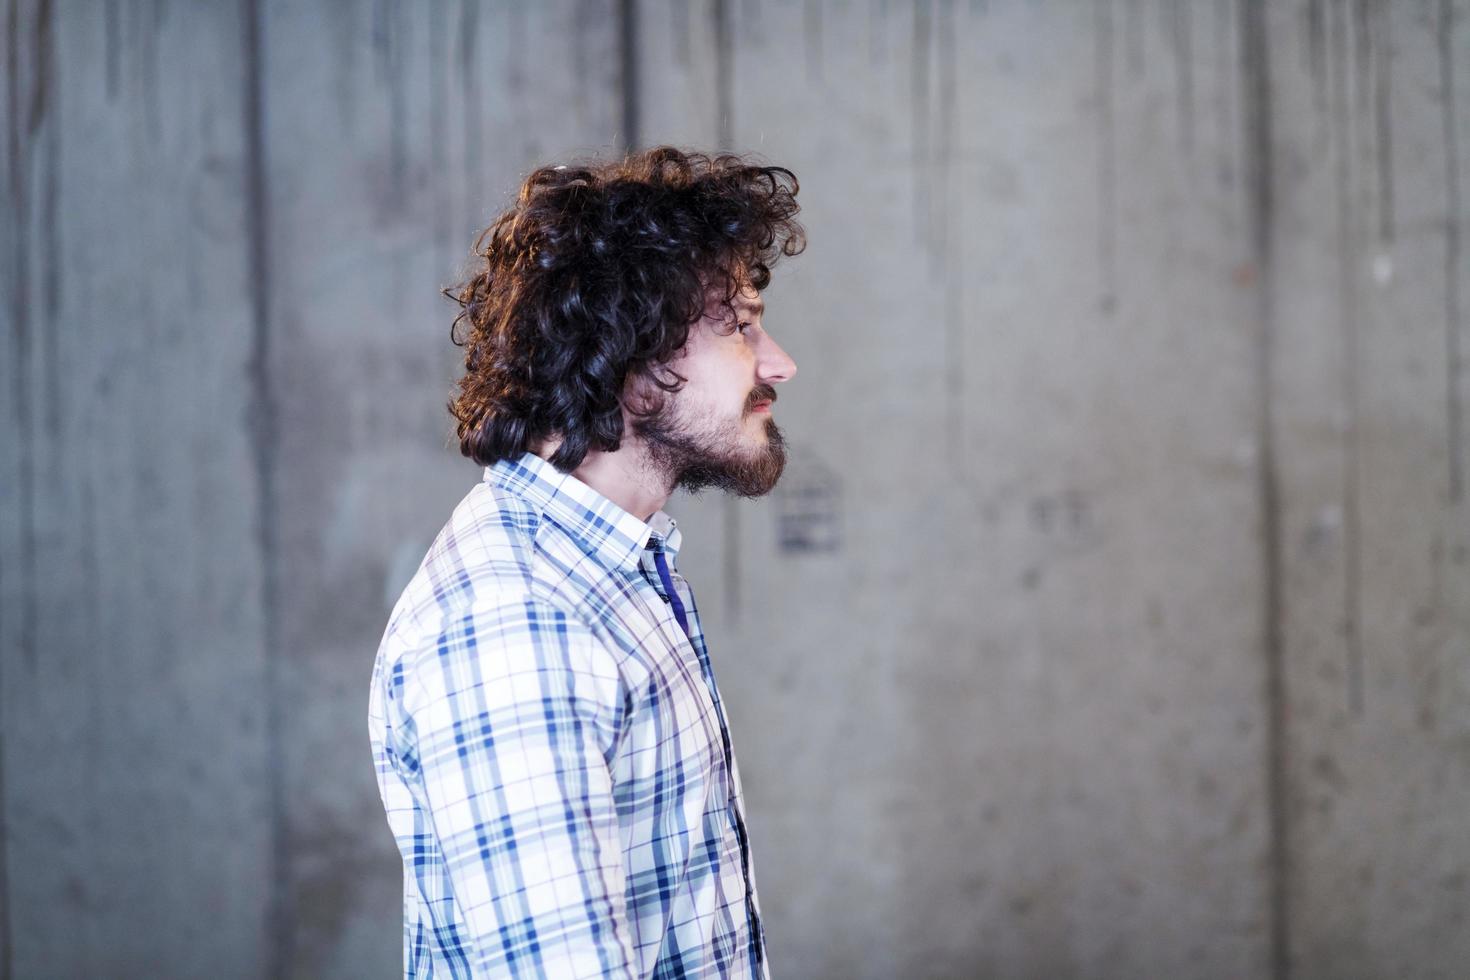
{"x": 644, "y": 391}
{"x": 641, "y": 396}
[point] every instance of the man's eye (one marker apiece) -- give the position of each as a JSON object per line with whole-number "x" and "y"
{"x": 743, "y": 326}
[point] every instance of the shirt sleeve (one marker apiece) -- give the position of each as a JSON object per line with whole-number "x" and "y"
{"x": 514, "y": 714}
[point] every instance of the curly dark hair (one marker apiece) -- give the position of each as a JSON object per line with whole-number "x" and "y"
{"x": 595, "y": 275}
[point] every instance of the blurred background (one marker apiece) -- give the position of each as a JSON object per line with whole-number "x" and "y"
{"x": 1113, "y": 617}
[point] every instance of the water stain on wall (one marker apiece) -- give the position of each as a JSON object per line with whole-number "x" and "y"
{"x": 809, "y": 506}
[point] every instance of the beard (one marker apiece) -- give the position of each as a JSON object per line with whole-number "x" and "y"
{"x": 696, "y": 457}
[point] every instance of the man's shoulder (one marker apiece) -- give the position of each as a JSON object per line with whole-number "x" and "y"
{"x": 490, "y": 535}
{"x": 484, "y": 562}
{"x": 487, "y": 593}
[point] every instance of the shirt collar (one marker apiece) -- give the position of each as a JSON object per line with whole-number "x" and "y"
{"x": 666, "y": 529}
{"x": 605, "y": 529}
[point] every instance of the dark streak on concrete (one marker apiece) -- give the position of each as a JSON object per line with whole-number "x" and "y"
{"x": 1425, "y": 653}
{"x": 20, "y": 132}
{"x": 439, "y": 184}
{"x": 1454, "y": 408}
{"x": 587, "y": 20}
{"x": 877, "y": 34}
{"x": 49, "y": 230}
{"x": 381, "y": 41}
{"x": 340, "y": 48}
{"x": 146, "y": 35}
{"x": 1181, "y": 28}
{"x": 22, "y": 126}
{"x": 680, "y": 34}
{"x": 1347, "y": 282}
{"x": 628, "y": 72}
{"x": 390, "y": 41}
{"x": 1316, "y": 43}
{"x": 724, "y": 71}
{"x": 1226, "y": 91}
{"x": 811, "y": 30}
{"x": 1362, "y": 56}
{"x": 520, "y": 87}
{"x": 40, "y": 96}
{"x": 43, "y": 86}
{"x": 752, "y": 30}
{"x": 919, "y": 114}
{"x": 942, "y": 132}
{"x": 1132, "y": 29}
{"x": 17, "y": 364}
{"x": 263, "y": 427}
{"x": 950, "y": 240}
{"x": 1107, "y": 158}
{"x": 16, "y": 282}
{"x": 6, "y": 967}
{"x": 92, "y": 577}
{"x": 112, "y": 47}
{"x": 1257, "y": 133}
{"x": 469, "y": 83}
{"x": 96, "y": 692}
{"x": 1382, "y": 116}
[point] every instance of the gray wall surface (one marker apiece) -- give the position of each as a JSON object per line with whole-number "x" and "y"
{"x": 1113, "y": 617}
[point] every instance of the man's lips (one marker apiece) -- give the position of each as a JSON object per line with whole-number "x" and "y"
{"x": 761, "y": 399}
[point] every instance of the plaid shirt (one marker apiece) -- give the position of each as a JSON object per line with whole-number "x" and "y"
{"x": 552, "y": 752}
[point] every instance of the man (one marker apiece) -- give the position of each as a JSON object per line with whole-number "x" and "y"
{"x": 550, "y": 744}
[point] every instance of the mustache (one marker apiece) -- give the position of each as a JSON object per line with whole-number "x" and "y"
{"x": 761, "y": 393}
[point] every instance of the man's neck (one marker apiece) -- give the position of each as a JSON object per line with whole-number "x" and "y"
{"x": 624, "y": 477}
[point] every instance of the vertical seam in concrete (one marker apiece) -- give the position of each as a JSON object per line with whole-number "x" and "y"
{"x": 1255, "y": 58}
{"x": 628, "y": 67}
{"x": 278, "y": 919}
{"x": 1454, "y": 409}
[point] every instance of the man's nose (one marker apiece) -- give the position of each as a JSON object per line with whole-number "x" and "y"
{"x": 775, "y": 365}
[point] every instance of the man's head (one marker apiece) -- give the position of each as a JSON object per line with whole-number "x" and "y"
{"x": 627, "y": 295}
{"x": 717, "y": 430}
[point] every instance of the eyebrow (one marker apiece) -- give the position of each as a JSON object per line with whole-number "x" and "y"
{"x": 756, "y": 307}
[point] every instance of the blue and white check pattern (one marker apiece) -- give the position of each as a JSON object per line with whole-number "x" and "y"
{"x": 552, "y": 752}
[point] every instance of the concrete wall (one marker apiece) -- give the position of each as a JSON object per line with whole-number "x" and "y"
{"x": 1113, "y": 619}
